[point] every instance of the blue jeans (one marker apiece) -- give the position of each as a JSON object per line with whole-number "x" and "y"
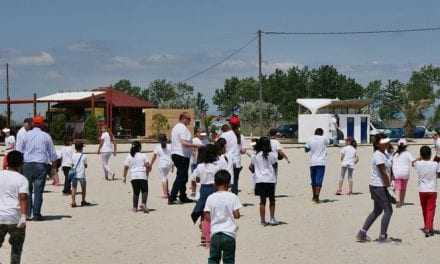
{"x": 317, "y": 175}
{"x": 36, "y": 175}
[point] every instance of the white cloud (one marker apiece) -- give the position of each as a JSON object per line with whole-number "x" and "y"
{"x": 86, "y": 46}
{"x": 161, "y": 58}
{"x": 54, "y": 75}
{"x": 270, "y": 67}
{"x": 120, "y": 62}
{"x": 40, "y": 59}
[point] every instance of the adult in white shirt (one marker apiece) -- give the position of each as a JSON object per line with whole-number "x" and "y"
{"x": 379, "y": 182}
{"x": 137, "y": 164}
{"x": 235, "y": 148}
{"x": 27, "y": 125}
{"x": 349, "y": 158}
{"x": 14, "y": 191}
{"x": 181, "y": 150}
{"x": 107, "y": 147}
{"x": 317, "y": 149}
{"x": 402, "y": 162}
{"x": 427, "y": 172}
{"x": 9, "y": 145}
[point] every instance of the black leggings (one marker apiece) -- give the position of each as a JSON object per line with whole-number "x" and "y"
{"x": 67, "y": 181}
{"x": 138, "y": 187}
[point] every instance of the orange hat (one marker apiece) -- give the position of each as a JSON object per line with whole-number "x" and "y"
{"x": 234, "y": 120}
{"x": 38, "y": 120}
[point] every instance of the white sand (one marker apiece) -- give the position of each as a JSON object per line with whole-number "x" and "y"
{"x": 111, "y": 233}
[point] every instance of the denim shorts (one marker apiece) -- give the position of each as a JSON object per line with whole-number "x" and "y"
{"x": 317, "y": 175}
{"x": 76, "y": 180}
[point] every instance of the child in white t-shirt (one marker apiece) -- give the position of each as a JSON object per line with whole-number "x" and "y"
{"x": 224, "y": 159}
{"x": 427, "y": 173}
{"x": 163, "y": 152}
{"x": 66, "y": 164}
{"x": 222, "y": 208}
{"x": 79, "y": 165}
{"x": 137, "y": 164}
{"x": 349, "y": 159}
{"x": 197, "y": 140}
{"x": 265, "y": 178}
{"x": 401, "y": 165}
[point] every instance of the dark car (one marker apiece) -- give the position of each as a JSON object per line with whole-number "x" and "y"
{"x": 288, "y": 130}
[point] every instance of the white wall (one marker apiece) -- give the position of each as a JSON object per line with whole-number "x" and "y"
{"x": 307, "y": 124}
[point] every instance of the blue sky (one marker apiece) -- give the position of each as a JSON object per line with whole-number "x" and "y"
{"x": 75, "y": 45}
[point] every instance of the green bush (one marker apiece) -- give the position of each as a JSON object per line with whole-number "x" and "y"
{"x": 57, "y": 127}
{"x": 160, "y": 123}
{"x": 91, "y": 129}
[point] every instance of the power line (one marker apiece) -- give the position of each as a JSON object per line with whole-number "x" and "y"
{"x": 354, "y": 32}
{"x": 221, "y": 61}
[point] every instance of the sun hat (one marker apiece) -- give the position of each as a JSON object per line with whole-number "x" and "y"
{"x": 6, "y": 130}
{"x": 402, "y": 142}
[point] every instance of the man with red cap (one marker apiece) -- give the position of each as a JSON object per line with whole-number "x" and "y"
{"x": 234, "y": 148}
{"x": 38, "y": 152}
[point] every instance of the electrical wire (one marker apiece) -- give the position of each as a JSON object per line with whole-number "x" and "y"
{"x": 221, "y": 61}
{"x": 354, "y": 32}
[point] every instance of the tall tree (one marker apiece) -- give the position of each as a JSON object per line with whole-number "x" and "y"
{"x": 161, "y": 92}
{"x": 125, "y": 86}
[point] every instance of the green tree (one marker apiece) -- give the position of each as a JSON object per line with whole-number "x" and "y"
{"x": 160, "y": 123}
{"x": 200, "y": 105}
{"x": 57, "y": 127}
{"x": 392, "y": 100}
{"x": 161, "y": 92}
{"x": 125, "y": 86}
{"x": 91, "y": 129}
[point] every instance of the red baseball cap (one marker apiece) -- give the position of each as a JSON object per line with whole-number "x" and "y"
{"x": 38, "y": 120}
{"x": 234, "y": 120}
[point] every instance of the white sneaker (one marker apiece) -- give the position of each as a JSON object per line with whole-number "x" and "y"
{"x": 273, "y": 221}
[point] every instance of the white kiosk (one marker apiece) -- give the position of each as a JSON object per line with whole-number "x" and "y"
{"x": 321, "y": 113}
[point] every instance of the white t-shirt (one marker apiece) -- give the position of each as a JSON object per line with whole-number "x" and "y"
{"x": 225, "y": 163}
{"x": 195, "y": 152}
{"x": 402, "y": 164}
{"x": 376, "y": 176}
{"x": 318, "y": 150}
{"x": 164, "y": 156}
{"x": 221, "y": 207}
{"x": 427, "y": 175}
{"x": 11, "y": 185}
{"x": 20, "y": 136}
{"x": 275, "y": 145}
{"x": 81, "y": 168}
{"x": 206, "y": 172}
{"x": 349, "y": 154}
{"x": 136, "y": 166}
{"x": 180, "y": 132}
{"x": 263, "y": 169}
{"x": 107, "y": 145}
{"x": 233, "y": 148}
{"x": 66, "y": 156}
{"x": 10, "y": 143}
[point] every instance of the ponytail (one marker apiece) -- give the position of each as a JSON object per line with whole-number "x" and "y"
{"x": 265, "y": 146}
{"x": 237, "y": 133}
{"x": 163, "y": 141}
{"x": 135, "y": 148}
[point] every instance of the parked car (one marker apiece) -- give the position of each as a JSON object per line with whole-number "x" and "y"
{"x": 419, "y": 132}
{"x": 396, "y": 133}
{"x": 288, "y": 130}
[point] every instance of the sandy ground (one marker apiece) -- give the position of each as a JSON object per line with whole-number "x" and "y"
{"x": 110, "y": 233}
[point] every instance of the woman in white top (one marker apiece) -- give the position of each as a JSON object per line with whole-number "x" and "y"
{"x": 9, "y": 145}
{"x": 349, "y": 159}
{"x": 427, "y": 172}
{"x": 163, "y": 152}
{"x": 107, "y": 147}
{"x": 235, "y": 148}
{"x": 379, "y": 183}
{"x": 402, "y": 162}
{"x": 66, "y": 163}
{"x": 204, "y": 174}
{"x": 137, "y": 164}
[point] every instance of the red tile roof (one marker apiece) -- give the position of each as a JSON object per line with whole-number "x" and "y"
{"x": 121, "y": 99}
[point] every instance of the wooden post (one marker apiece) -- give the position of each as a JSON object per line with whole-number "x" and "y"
{"x": 35, "y": 104}
{"x": 93, "y": 105}
{"x": 8, "y": 98}
{"x": 49, "y": 116}
{"x": 110, "y": 110}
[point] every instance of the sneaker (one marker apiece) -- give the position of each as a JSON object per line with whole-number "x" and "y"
{"x": 186, "y": 200}
{"x": 362, "y": 236}
{"x": 273, "y": 222}
{"x": 383, "y": 239}
{"x": 172, "y": 202}
{"x": 84, "y": 203}
{"x": 263, "y": 223}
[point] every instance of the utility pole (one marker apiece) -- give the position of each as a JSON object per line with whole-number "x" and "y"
{"x": 260, "y": 85}
{"x": 8, "y": 98}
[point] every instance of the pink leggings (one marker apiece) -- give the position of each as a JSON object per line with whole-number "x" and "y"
{"x": 206, "y": 230}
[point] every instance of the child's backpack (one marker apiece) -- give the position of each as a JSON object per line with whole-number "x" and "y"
{"x": 72, "y": 171}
